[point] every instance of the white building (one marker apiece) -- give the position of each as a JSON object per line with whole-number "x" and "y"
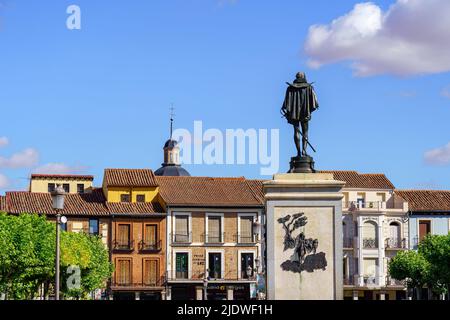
{"x": 375, "y": 228}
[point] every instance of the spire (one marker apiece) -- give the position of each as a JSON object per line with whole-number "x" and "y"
{"x": 171, "y": 120}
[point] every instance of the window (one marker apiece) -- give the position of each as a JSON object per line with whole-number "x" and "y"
{"x": 370, "y": 270}
{"x": 124, "y": 272}
{"x": 182, "y": 229}
{"x": 123, "y": 237}
{"x": 215, "y": 265}
{"x": 182, "y": 265}
{"x": 150, "y": 276}
{"x": 381, "y": 196}
{"x": 150, "y": 237}
{"x": 51, "y": 187}
{"x": 246, "y": 229}
{"x": 370, "y": 235}
{"x": 247, "y": 265}
{"x": 80, "y": 188}
{"x": 66, "y": 187}
{"x": 424, "y": 229}
{"x": 361, "y": 200}
{"x": 93, "y": 226}
{"x": 140, "y": 198}
{"x": 124, "y": 198}
{"x": 394, "y": 240}
{"x": 214, "y": 229}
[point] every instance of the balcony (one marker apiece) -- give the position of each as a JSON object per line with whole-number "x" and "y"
{"x": 147, "y": 284}
{"x": 349, "y": 281}
{"x": 395, "y": 243}
{"x": 214, "y": 238}
{"x": 348, "y": 242}
{"x": 185, "y": 276}
{"x": 245, "y": 238}
{"x": 124, "y": 246}
{"x": 181, "y": 238}
{"x": 394, "y": 203}
{"x": 368, "y": 281}
{"x": 391, "y": 282}
{"x": 150, "y": 246}
{"x": 370, "y": 243}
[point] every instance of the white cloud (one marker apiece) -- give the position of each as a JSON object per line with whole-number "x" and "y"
{"x": 410, "y": 38}
{"x": 23, "y": 159}
{"x": 4, "y": 181}
{"x": 3, "y": 141}
{"x": 59, "y": 168}
{"x": 438, "y": 156}
{"x": 446, "y": 92}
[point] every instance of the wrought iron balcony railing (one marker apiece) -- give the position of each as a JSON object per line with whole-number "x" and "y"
{"x": 395, "y": 243}
{"x": 120, "y": 245}
{"x": 182, "y": 238}
{"x": 370, "y": 243}
{"x": 369, "y": 280}
{"x": 148, "y": 283}
{"x": 348, "y": 281}
{"x": 245, "y": 238}
{"x": 394, "y": 282}
{"x": 214, "y": 237}
{"x": 145, "y": 246}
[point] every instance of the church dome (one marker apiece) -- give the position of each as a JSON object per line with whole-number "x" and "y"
{"x": 170, "y": 144}
{"x": 171, "y": 171}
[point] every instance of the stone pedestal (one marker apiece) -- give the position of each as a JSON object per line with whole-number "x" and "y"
{"x": 311, "y": 266}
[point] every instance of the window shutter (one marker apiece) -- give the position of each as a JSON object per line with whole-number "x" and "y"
{"x": 150, "y": 234}
{"x": 181, "y": 225}
{"x": 246, "y": 229}
{"x": 214, "y": 228}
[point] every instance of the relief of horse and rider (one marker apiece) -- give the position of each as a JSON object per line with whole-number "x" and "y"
{"x": 305, "y": 256}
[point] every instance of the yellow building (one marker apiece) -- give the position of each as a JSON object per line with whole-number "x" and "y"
{"x": 129, "y": 185}
{"x": 71, "y": 183}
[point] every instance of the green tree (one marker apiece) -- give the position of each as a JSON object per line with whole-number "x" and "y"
{"x": 428, "y": 266}
{"x": 88, "y": 255}
{"x": 436, "y": 250}
{"x": 26, "y": 254}
{"x": 27, "y": 258}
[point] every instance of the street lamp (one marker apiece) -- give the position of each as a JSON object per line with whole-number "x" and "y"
{"x": 205, "y": 288}
{"x": 58, "y": 205}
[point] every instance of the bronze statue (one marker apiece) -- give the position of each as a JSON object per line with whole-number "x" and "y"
{"x": 299, "y": 104}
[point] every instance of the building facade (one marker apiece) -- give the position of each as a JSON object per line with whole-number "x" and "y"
{"x": 375, "y": 229}
{"x": 181, "y": 237}
{"x": 214, "y": 238}
{"x": 71, "y": 183}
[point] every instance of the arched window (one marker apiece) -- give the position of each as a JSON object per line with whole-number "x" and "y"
{"x": 395, "y": 239}
{"x": 370, "y": 235}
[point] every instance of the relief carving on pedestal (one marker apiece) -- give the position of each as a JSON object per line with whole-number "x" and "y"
{"x": 305, "y": 257}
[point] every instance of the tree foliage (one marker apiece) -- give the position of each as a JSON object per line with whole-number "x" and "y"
{"x": 27, "y": 258}
{"x": 428, "y": 266}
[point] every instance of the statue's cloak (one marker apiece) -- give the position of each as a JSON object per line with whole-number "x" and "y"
{"x": 299, "y": 103}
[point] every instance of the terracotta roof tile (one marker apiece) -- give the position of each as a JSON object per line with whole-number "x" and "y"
{"x": 426, "y": 200}
{"x": 257, "y": 188}
{"x": 74, "y": 204}
{"x": 62, "y": 176}
{"x": 2, "y": 203}
{"x": 129, "y": 178}
{"x": 354, "y": 179}
{"x": 206, "y": 191}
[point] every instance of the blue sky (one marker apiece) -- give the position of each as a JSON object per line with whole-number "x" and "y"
{"x": 99, "y": 97}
